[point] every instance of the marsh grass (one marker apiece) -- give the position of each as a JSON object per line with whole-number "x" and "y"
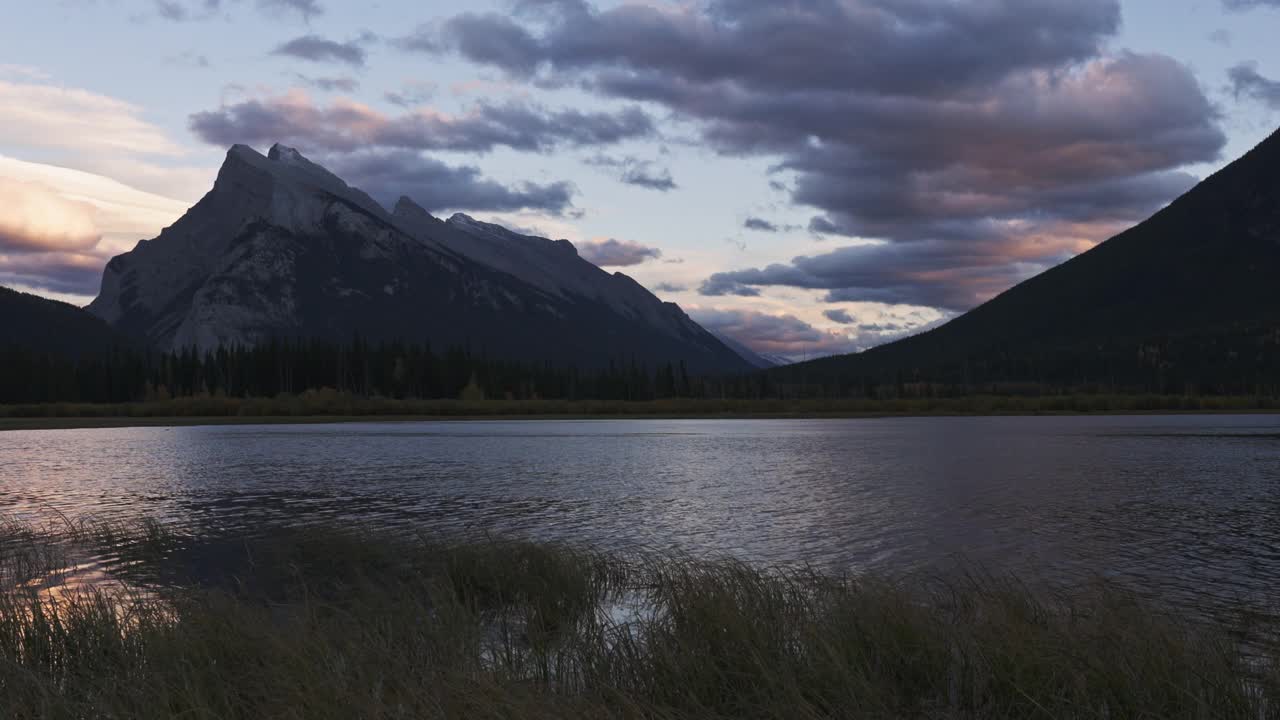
{"x": 327, "y": 623}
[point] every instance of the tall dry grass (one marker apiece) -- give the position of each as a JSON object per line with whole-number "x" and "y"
{"x": 326, "y": 623}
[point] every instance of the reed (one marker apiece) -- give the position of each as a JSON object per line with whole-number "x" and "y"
{"x": 328, "y": 623}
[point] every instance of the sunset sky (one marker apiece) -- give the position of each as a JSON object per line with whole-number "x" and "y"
{"x": 808, "y": 177}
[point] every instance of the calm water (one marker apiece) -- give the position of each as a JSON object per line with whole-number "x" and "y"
{"x": 1184, "y": 507}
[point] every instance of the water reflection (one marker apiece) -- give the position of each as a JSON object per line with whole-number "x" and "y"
{"x": 1186, "y": 507}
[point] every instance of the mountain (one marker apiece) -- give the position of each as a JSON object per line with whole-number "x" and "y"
{"x": 1185, "y": 300}
{"x": 282, "y": 247}
{"x": 49, "y": 327}
{"x": 757, "y": 360}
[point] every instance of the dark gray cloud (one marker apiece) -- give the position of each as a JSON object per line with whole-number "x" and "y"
{"x": 1247, "y": 82}
{"x": 343, "y": 83}
{"x": 616, "y": 253}
{"x": 634, "y": 171}
{"x": 819, "y": 225}
{"x": 70, "y": 273}
{"x": 762, "y": 225}
{"x": 347, "y": 126}
{"x": 670, "y": 287}
{"x": 839, "y": 315}
{"x": 318, "y": 49}
{"x": 827, "y": 44}
{"x": 437, "y": 186}
{"x": 647, "y": 176}
{"x": 982, "y": 139}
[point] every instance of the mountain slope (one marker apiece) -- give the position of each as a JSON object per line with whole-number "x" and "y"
{"x": 757, "y": 360}
{"x": 281, "y": 247}
{"x": 49, "y": 327}
{"x": 1188, "y": 296}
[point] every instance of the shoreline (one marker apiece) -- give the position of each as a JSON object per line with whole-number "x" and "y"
{"x": 88, "y": 422}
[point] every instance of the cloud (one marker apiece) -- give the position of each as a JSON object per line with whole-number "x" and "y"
{"x": 345, "y": 126}
{"x": 437, "y": 186}
{"x": 1247, "y": 82}
{"x": 762, "y": 225}
{"x": 933, "y": 47}
{"x": 1221, "y": 37}
{"x": 59, "y": 226}
{"x": 934, "y": 273}
{"x": 318, "y": 49}
{"x": 1250, "y": 4}
{"x": 180, "y": 11}
{"x": 839, "y": 316}
{"x": 343, "y": 83}
{"x": 189, "y": 10}
{"x": 616, "y": 253}
{"x": 884, "y": 328}
{"x": 669, "y": 287}
{"x": 951, "y": 131}
{"x": 412, "y": 94}
{"x": 62, "y": 273}
{"x": 646, "y": 176}
{"x": 43, "y": 115}
{"x": 634, "y": 171}
{"x": 784, "y": 335}
{"x": 34, "y": 218}
{"x": 306, "y": 8}
{"x": 85, "y": 130}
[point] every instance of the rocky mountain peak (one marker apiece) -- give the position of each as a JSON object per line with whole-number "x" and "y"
{"x": 407, "y": 209}
{"x": 297, "y": 189}
{"x": 283, "y": 247}
{"x": 280, "y": 152}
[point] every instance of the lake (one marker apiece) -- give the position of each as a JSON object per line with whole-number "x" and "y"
{"x": 1186, "y": 508}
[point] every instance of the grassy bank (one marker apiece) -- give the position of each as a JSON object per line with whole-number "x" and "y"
{"x": 323, "y": 623}
{"x": 328, "y": 406}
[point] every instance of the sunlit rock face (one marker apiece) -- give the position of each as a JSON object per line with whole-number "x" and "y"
{"x": 281, "y": 247}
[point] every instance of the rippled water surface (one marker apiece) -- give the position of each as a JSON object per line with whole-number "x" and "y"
{"x": 1183, "y": 506}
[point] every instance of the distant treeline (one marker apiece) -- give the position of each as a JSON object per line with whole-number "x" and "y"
{"x": 1244, "y": 365}
{"x": 1222, "y": 362}
{"x": 390, "y": 370}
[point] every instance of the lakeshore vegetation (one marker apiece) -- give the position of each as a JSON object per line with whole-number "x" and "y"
{"x": 410, "y": 372}
{"x": 326, "y": 623}
{"x": 328, "y": 405}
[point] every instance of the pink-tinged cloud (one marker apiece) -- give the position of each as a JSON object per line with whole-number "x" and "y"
{"x": 779, "y": 335}
{"x": 35, "y": 219}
